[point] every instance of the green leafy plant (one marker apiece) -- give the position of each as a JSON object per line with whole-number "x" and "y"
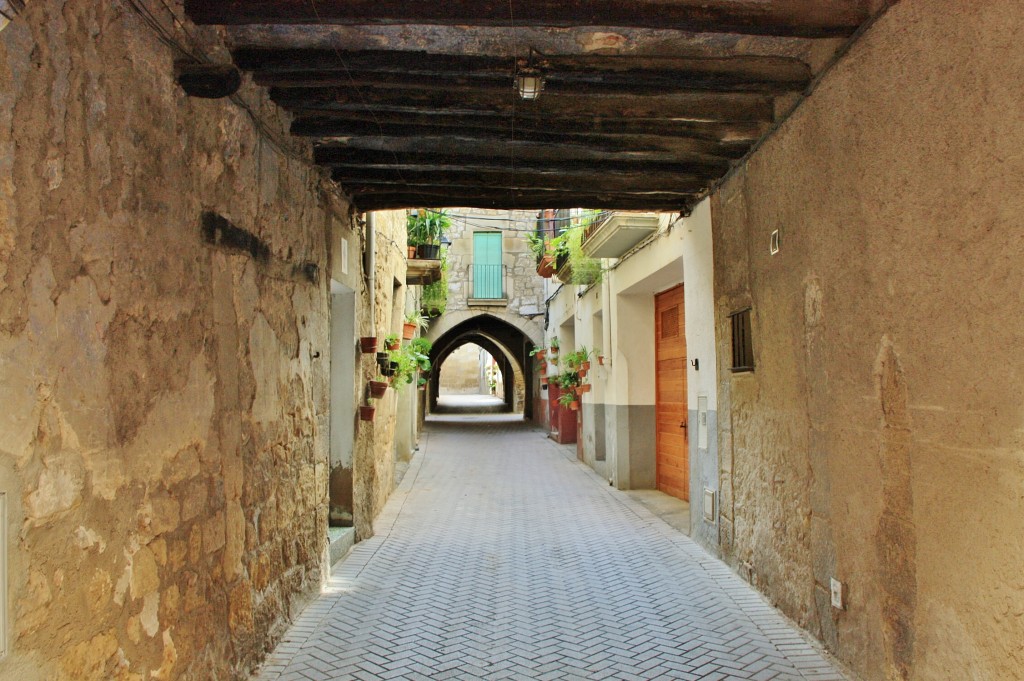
{"x": 421, "y": 345}
{"x": 567, "y": 398}
{"x": 417, "y": 320}
{"x": 427, "y": 226}
{"x": 410, "y": 362}
{"x": 434, "y": 301}
{"x": 391, "y": 341}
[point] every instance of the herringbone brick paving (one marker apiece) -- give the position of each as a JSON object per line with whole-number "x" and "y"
{"x": 501, "y": 558}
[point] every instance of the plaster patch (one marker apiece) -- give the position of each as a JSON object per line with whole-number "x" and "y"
{"x": 148, "y": 617}
{"x": 87, "y": 538}
{"x": 59, "y": 488}
{"x": 176, "y": 422}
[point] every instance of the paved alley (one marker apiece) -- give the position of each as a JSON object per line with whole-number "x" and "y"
{"x": 500, "y": 557}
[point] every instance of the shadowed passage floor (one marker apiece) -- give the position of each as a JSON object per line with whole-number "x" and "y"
{"x": 499, "y": 557}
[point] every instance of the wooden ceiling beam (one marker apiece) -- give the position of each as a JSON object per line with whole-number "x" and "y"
{"x": 713, "y": 106}
{"x": 560, "y": 179}
{"x": 597, "y": 74}
{"x": 343, "y": 124}
{"x": 370, "y": 180}
{"x": 359, "y": 158}
{"x": 802, "y": 18}
{"x": 530, "y": 200}
{"x": 681, "y": 150}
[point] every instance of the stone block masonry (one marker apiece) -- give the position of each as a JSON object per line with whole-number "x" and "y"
{"x": 162, "y": 439}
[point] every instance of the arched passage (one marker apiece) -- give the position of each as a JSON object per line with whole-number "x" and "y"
{"x": 507, "y": 343}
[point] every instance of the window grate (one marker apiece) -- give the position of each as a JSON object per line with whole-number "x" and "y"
{"x": 742, "y": 345}
{"x": 670, "y": 323}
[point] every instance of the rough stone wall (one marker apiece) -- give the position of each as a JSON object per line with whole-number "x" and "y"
{"x": 374, "y": 456}
{"x": 878, "y": 440}
{"x": 162, "y": 447}
{"x": 523, "y": 288}
{"x": 461, "y": 374}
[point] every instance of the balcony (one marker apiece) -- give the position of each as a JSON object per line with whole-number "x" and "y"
{"x": 487, "y": 285}
{"x": 613, "y": 236}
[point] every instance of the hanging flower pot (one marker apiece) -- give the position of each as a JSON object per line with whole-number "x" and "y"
{"x": 408, "y": 331}
{"x": 546, "y": 266}
{"x": 366, "y": 412}
{"x": 582, "y": 373}
{"x": 392, "y": 343}
{"x": 574, "y": 405}
{"x": 585, "y": 388}
{"x": 600, "y": 360}
{"x": 368, "y": 344}
{"x": 585, "y": 365}
{"x": 377, "y": 389}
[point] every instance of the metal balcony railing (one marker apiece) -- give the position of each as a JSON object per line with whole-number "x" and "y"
{"x": 487, "y": 282}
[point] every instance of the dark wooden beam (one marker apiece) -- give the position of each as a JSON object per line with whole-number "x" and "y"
{"x": 398, "y": 138}
{"x": 598, "y": 74}
{"x": 359, "y": 158}
{"x": 715, "y": 106}
{"x": 807, "y": 18}
{"x": 670, "y": 150}
{"x": 354, "y": 123}
{"x": 363, "y": 178}
{"x": 530, "y": 200}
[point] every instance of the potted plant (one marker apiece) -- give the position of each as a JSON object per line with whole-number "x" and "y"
{"x": 600, "y": 357}
{"x": 553, "y": 344}
{"x": 368, "y": 344}
{"x": 414, "y": 321}
{"x": 568, "y": 399}
{"x": 426, "y": 228}
{"x": 366, "y": 412}
{"x": 392, "y": 342}
{"x": 421, "y": 345}
{"x": 378, "y": 387}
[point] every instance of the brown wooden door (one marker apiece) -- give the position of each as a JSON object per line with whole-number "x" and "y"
{"x": 673, "y": 452}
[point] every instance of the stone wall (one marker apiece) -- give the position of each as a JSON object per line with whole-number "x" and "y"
{"x": 878, "y": 440}
{"x": 524, "y": 290}
{"x": 163, "y": 444}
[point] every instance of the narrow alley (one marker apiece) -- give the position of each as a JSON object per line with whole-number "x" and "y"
{"x": 501, "y": 557}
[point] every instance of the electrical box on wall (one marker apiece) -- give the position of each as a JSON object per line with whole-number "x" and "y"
{"x": 702, "y": 422}
{"x": 838, "y": 597}
{"x": 709, "y": 505}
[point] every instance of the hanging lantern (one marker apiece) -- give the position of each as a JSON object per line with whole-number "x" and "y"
{"x": 529, "y": 79}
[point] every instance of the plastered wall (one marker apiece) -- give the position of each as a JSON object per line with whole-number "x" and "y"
{"x": 878, "y": 440}
{"x": 163, "y": 401}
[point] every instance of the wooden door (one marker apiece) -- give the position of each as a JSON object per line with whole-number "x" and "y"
{"x": 673, "y": 449}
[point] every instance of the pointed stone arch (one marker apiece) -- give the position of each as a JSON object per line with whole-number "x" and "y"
{"x": 508, "y": 342}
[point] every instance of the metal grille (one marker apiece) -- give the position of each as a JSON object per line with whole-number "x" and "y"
{"x": 742, "y": 345}
{"x": 670, "y": 323}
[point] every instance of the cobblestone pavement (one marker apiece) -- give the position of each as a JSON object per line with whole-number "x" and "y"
{"x": 501, "y": 558}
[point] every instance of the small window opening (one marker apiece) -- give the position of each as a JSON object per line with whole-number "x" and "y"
{"x": 742, "y": 346}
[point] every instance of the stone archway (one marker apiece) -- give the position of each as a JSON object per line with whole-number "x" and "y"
{"x": 506, "y": 342}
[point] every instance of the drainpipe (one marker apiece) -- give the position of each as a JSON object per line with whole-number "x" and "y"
{"x": 369, "y": 266}
{"x": 606, "y": 348}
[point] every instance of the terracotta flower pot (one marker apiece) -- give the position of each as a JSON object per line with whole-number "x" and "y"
{"x": 585, "y": 388}
{"x": 394, "y": 345}
{"x": 583, "y": 373}
{"x": 377, "y": 389}
{"x": 366, "y": 412}
{"x": 368, "y": 344}
{"x": 585, "y": 366}
{"x": 546, "y": 266}
{"x": 412, "y": 252}
{"x": 574, "y": 406}
{"x": 540, "y": 355}
{"x": 408, "y": 331}
{"x": 600, "y": 360}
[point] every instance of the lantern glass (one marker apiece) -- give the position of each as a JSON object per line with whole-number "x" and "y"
{"x": 529, "y": 85}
